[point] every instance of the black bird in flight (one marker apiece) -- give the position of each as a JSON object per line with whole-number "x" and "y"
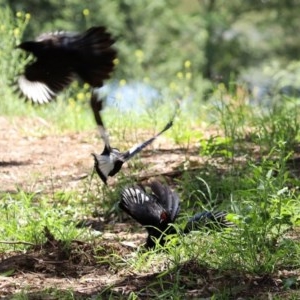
{"x": 159, "y": 208}
{"x": 60, "y": 57}
{"x": 110, "y": 161}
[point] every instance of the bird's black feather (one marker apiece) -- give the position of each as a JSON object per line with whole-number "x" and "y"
{"x": 155, "y": 210}
{"x": 208, "y": 219}
{"x": 110, "y": 161}
{"x": 158, "y": 209}
{"x": 61, "y": 56}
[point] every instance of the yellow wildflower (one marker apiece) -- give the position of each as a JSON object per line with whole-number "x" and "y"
{"x": 80, "y": 96}
{"x": 179, "y": 75}
{"x": 122, "y": 82}
{"x": 139, "y": 53}
{"x": 16, "y": 32}
{"x": 187, "y": 64}
{"x": 173, "y": 86}
{"x": 188, "y": 75}
{"x": 86, "y": 12}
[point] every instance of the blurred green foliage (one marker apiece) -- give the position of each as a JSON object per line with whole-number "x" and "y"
{"x": 221, "y": 38}
{"x": 180, "y": 48}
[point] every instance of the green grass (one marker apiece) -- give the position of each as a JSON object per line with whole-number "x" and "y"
{"x": 246, "y": 170}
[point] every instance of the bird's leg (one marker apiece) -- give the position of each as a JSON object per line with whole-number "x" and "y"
{"x": 97, "y": 106}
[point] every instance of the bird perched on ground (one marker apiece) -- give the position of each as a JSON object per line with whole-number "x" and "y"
{"x": 157, "y": 209}
{"x": 110, "y": 161}
{"x": 61, "y": 56}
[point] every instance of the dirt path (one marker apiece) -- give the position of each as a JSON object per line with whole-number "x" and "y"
{"x": 32, "y": 161}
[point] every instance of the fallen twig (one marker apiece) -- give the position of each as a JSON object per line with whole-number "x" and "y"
{"x": 172, "y": 173}
{"x": 17, "y": 243}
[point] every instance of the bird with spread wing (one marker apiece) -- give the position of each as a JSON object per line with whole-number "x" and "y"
{"x": 111, "y": 160}
{"x": 61, "y": 57}
{"x": 158, "y": 209}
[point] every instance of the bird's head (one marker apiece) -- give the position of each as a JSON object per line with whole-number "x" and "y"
{"x": 26, "y": 46}
{"x": 164, "y": 217}
{"x": 33, "y": 47}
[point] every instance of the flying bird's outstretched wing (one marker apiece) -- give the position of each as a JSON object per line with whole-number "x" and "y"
{"x": 138, "y": 148}
{"x": 60, "y": 57}
{"x": 43, "y": 80}
{"x": 110, "y": 161}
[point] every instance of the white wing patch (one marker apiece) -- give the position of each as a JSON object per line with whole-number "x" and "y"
{"x": 48, "y": 35}
{"x": 105, "y": 163}
{"x": 104, "y": 135}
{"x": 135, "y": 148}
{"x": 36, "y": 91}
{"x": 135, "y": 195}
{"x": 59, "y": 38}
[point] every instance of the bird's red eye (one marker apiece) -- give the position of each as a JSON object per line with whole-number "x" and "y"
{"x": 163, "y": 216}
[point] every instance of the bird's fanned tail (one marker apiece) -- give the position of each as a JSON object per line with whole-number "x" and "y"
{"x": 97, "y": 56}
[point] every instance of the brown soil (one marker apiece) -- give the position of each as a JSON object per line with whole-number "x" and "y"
{"x": 33, "y": 161}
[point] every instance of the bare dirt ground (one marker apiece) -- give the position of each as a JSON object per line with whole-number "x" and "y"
{"x": 31, "y": 161}
{"x": 36, "y": 162}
